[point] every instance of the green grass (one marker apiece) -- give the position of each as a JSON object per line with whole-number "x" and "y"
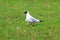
{"x": 13, "y": 25}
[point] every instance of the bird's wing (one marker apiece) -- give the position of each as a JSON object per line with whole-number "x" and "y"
{"x": 34, "y": 19}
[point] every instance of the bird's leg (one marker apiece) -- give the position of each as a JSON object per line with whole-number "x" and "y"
{"x": 27, "y": 23}
{"x": 32, "y": 24}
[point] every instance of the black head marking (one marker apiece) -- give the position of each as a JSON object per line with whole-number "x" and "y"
{"x": 25, "y": 12}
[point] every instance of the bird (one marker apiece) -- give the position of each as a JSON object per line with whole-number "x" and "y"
{"x": 30, "y": 18}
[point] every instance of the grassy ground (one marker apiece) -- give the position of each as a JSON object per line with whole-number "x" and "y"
{"x": 13, "y": 25}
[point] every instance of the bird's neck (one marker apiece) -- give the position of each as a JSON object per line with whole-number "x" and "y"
{"x": 27, "y": 15}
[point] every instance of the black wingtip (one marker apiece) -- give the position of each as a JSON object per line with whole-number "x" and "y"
{"x": 41, "y": 21}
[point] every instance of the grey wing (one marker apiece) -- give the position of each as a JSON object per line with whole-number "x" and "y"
{"x": 33, "y": 19}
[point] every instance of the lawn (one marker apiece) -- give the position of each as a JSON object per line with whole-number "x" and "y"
{"x": 14, "y": 27}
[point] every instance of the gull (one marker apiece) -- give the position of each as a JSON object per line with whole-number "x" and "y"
{"x": 30, "y": 18}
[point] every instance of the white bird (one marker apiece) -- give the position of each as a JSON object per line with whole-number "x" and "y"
{"x": 29, "y": 18}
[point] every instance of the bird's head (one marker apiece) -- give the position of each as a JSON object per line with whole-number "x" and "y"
{"x": 26, "y": 12}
